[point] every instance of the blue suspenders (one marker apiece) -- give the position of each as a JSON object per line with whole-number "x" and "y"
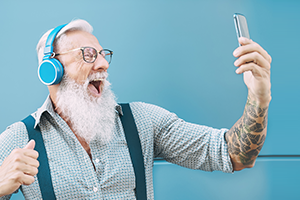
{"x": 135, "y": 150}
{"x": 134, "y": 146}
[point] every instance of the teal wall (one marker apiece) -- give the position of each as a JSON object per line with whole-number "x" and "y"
{"x": 173, "y": 53}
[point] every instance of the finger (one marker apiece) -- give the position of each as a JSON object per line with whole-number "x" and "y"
{"x": 250, "y": 46}
{"x": 32, "y": 162}
{"x": 32, "y": 171}
{"x": 26, "y": 169}
{"x": 31, "y": 153}
{"x": 253, "y": 57}
{"x": 255, "y": 69}
{"x": 30, "y": 145}
{"x": 21, "y": 155}
{"x": 244, "y": 41}
{"x": 27, "y": 179}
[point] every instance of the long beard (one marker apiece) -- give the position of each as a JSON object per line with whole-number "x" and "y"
{"x": 90, "y": 117}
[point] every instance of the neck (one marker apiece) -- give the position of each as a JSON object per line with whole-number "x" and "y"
{"x": 53, "y": 94}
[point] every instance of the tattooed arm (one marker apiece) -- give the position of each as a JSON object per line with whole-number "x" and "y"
{"x": 246, "y": 138}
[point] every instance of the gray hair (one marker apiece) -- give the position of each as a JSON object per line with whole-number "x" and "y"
{"x": 77, "y": 24}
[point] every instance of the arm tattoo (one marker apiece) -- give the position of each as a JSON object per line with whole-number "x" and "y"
{"x": 246, "y": 138}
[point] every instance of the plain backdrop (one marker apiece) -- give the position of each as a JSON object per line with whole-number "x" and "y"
{"x": 173, "y": 53}
{"x": 176, "y": 54}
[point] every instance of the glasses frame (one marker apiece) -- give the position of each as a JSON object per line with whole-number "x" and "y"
{"x": 82, "y": 51}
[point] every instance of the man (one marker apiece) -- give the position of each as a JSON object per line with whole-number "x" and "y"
{"x": 85, "y": 142}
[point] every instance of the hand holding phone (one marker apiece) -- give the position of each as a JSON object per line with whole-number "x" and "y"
{"x": 253, "y": 62}
{"x": 241, "y": 26}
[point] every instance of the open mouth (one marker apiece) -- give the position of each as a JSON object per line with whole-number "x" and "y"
{"x": 95, "y": 86}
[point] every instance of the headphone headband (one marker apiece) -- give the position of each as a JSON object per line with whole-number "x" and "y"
{"x": 48, "y": 50}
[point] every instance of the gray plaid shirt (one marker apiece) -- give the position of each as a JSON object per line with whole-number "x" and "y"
{"x": 162, "y": 134}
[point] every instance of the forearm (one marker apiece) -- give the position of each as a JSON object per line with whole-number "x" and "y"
{"x": 246, "y": 138}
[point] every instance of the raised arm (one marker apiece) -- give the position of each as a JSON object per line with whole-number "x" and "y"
{"x": 246, "y": 138}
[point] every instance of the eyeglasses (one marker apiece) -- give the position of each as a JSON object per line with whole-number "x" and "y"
{"x": 89, "y": 54}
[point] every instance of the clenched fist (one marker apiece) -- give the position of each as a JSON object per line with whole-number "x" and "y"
{"x": 18, "y": 169}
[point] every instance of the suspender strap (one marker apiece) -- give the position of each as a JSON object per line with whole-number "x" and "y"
{"x": 43, "y": 175}
{"x": 134, "y": 146}
{"x": 135, "y": 150}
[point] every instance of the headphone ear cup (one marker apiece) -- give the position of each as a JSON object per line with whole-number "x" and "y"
{"x": 50, "y": 71}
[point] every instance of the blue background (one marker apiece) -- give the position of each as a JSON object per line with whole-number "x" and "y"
{"x": 176, "y": 54}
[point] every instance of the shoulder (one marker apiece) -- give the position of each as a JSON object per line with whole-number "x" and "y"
{"x": 148, "y": 108}
{"x": 14, "y": 132}
{"x": 156, "y": 114}
{"x": 15, "y": 136}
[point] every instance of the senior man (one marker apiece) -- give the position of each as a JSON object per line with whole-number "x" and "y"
{"x": 84, "y": 137}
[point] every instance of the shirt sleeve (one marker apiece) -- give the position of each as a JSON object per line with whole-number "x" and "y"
{"x": 187, "y": 144}
{"x": 5, "y": 197}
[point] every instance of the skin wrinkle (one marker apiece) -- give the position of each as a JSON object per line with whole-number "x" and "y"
{"x": 62, "y": 44}
{"x": 77, "y": 68}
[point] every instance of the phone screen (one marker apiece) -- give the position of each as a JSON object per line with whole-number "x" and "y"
{"x": 241, "y": 25}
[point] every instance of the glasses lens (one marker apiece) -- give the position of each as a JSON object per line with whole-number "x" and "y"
{"x": 107, "y": 55}
{"x": 89, "y": 54}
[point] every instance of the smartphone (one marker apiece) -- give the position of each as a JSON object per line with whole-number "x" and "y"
{"x": 241, "y": 26}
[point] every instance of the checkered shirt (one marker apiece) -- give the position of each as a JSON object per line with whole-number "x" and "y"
{"x": 161, "y": 132}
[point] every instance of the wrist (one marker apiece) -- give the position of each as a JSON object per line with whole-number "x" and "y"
{"x": 260, "y": 101}
{"x": 1, "y": 192}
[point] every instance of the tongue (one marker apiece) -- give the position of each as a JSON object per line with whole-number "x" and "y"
{"x": 94, "y": 87}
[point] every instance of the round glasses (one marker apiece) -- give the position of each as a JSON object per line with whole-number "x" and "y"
{"x": 89, "y": 54}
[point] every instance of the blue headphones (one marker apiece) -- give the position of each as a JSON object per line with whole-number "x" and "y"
{"x": 51, "y": 71}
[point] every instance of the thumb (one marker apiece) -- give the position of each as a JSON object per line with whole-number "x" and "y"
{"x": 30, "y": 145}
{"x": 244, "y": 40}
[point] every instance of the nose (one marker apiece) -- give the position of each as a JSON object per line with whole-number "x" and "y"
{"x": 100, "y": 64}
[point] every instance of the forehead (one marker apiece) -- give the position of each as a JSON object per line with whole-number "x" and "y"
{"x": 82, "y": 39}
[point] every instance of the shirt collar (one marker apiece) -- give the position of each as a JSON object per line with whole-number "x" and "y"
{"x": 48, "y": 107}
{"x": 119, "y": 110}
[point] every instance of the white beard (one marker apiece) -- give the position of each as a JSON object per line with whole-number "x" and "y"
{"x": 90, "y": 117}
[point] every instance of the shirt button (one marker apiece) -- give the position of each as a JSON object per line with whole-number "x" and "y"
{"x": 95, "y": 189}
{"x": 97, "y": 160}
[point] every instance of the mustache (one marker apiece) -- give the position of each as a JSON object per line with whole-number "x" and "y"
{"x": 68, "y": 81}
{"x": 97, "y": 75}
